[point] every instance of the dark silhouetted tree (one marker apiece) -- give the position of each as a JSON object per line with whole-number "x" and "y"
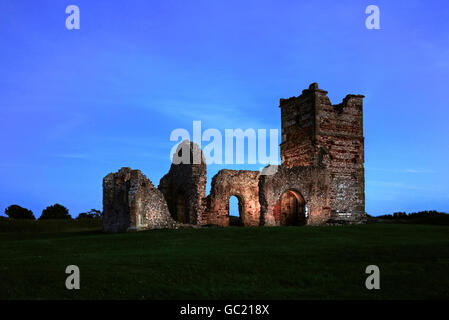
{"x": 414, "y": 215}
{"x": 55, "y": 211}
{"x": 17, "y": 212}
{"x": 92, "y": 214}
{"x": 399, "y": 215}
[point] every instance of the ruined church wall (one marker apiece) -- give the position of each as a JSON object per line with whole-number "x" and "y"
{"x": 312, "y": 183}
{"x": 243, "y": 184}
{"x": 131, "y": 202}
{"x": 184, "y": 186}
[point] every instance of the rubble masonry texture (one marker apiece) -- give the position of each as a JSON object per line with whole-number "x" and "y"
{"x": 320, "y": 181}
{"x": 131, "y": 202}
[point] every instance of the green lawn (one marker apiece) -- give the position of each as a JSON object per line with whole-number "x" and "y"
{"x": 223, "y": 263}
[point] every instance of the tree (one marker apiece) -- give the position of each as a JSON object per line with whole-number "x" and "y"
{"x": 92, "y": 214}
{"x": 399, "y": 215}
{"x": 17, "y": 212}
{"x": 55, "y": 211}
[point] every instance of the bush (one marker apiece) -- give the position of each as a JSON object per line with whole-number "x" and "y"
{"x": 92, "y": 214}
{"x": 55, "y": 211}
{"x": 17, "y": 212}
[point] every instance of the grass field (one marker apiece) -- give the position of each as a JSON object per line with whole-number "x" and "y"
{"x": 223, "y": 263}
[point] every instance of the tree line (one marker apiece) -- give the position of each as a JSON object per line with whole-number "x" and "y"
{"x": 413, "y": 215}
{"x": 55, "y": 211}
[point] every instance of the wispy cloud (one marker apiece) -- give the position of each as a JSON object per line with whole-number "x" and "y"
{"x": 437, "y": 54}
{"x": 417, "y": 171}
{"x": 67, "y": 126}
{"x": 12, "y": 165}
{"x": 391, "y": 184}
{"x": 72, "y": 156}
{"x": 213, "y": 115}
{"x": 420, "y": 171}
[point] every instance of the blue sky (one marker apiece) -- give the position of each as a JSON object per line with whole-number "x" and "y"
{"x": 76, "y": 105}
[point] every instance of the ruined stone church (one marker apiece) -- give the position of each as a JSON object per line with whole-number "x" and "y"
{"x": 320, "y": 180}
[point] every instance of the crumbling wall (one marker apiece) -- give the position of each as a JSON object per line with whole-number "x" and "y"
{"x": 244, "y": 185}
{"x": 131, "y": 202}
{"x": 310, "y": 183}
{"x": 184, "y": 186}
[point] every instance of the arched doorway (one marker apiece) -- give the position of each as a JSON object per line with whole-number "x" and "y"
{"x": 182, "y": 214}
{"x": 290, "y": 209}
{"x": 235, "y": 209}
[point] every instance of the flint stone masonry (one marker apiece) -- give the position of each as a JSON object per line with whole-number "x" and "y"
{"x": 321, "y": 179}
{"x": 244, "y": 185}
{"x": 132, "y": 203}
{"x": 317, "y": 133}
{"x": 184, "y": 186}
{"x": 309, "y": 184}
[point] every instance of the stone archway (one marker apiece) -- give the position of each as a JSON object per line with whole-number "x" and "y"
{"x": 289, "y": 210}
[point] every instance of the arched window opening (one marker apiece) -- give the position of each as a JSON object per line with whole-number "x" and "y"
{"x": 235, "y": 211}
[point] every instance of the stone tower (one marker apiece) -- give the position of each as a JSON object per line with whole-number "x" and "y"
{"x": 317, "y": 133}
